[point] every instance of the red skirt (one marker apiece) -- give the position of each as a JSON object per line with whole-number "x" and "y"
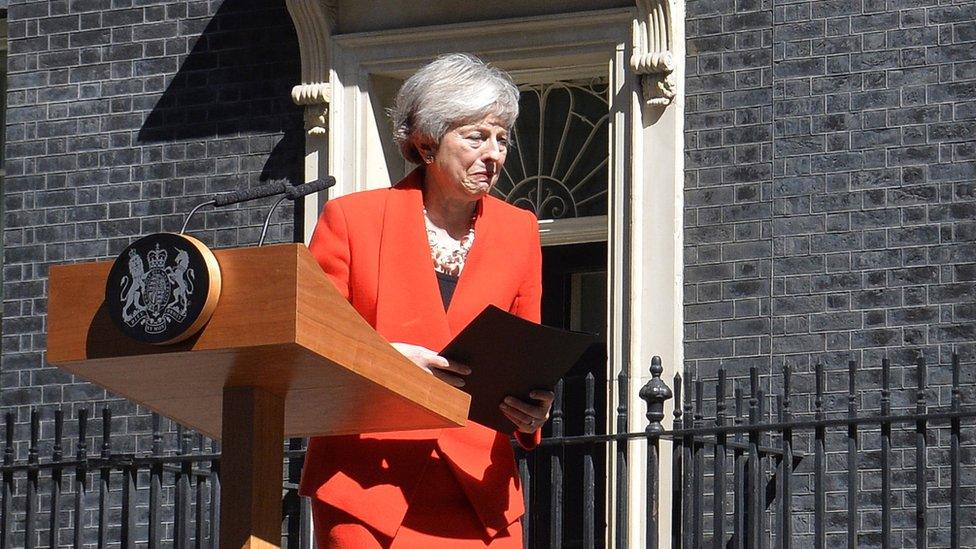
{"x": 439, "y": 516}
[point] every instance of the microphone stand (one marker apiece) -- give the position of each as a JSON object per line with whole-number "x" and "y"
{"x": 193, "y": 211}
{"x": 243, "y": 195}
{"x": 294, "y": 193}
{"x": 267, "y": 220}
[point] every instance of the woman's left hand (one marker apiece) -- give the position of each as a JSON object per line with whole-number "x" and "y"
{"x": 528, "y": 418}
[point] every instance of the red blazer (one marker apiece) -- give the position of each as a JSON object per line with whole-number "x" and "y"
{"x": 374, "y": 247}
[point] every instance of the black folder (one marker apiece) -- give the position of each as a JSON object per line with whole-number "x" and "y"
{"x": 509, "y": 355}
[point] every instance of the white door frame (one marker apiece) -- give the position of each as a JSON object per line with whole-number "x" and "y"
{"x": 646, "y": 170}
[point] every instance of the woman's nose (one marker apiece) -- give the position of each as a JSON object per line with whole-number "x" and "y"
{"x": 493, "y": 149}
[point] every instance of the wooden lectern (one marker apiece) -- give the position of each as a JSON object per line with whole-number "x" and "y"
{"x": 284, "y": 355}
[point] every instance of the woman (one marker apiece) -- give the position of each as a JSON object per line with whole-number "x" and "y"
{"x": 419, "y": 261}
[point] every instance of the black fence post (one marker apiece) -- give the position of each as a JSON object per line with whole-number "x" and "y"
{"x": 786, "y": 471}
{"x": 688, "y": 468}
{"x": 56, "y": 476}
{"x": 623, "y": 393}
{"x": 556, "y": 474}
{"x": 921, "y": 448}
{"x": 955, "y": 497}
{"x": 589, "y": 473}
{"x": 199, "y": 505}
{"x": 754, "y": 466}
{"x": 155, "y": 484}
{"x": 30, "y": 522}
{"x": 739, "y": 477}
{"x": 6, "y": 536}
{"x": 885, "y": 455}
{"x": 718, "y": 474}
{"x": 184, "y": 500}
{"x": 655, "y": 393}
{"x": 130, "y": 493}
{"x": 677, "y": 473}
{"x": 215, "y": 495}
{"x": 819, "y": 464}
{"x": 698, "y": 487}
{"x": 852, "y": 458}
{"x": 81, "y": 476}
{"x": 105, "y": 472}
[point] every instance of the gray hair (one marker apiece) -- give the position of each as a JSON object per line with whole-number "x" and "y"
{"x": 453, "y": 89}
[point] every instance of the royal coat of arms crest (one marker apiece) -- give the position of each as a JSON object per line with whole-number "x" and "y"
{"x": 155, "y": 290}
{"x": 159, "y": 295}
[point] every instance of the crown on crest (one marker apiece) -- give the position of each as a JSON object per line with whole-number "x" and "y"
{"x": 157, "y": 258}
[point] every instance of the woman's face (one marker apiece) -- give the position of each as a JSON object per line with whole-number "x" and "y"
{"x": 470, "y": 158}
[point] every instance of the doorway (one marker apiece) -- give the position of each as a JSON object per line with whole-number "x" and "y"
{"x": 574, "y": 297}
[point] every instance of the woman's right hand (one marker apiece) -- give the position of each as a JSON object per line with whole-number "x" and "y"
{"x": 428, "y": 360}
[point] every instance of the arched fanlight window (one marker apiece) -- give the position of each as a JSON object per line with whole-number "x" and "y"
{"x": 558, "y": 164}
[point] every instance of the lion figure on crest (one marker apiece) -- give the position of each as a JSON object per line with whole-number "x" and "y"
{"x": 182, "y": 277}
{"x": 132, "y": 296}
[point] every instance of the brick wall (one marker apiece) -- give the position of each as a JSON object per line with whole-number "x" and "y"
{"x": 830, "y": 207}
{"x": 123, "y": 114}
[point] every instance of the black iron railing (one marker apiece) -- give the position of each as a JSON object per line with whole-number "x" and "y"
{"x": 734, "y": 471}
{"x": 751, "y": 480}
{"x": 168, "y": 495}
{"x": 763, "y": 499}
{"x": 560, "y": 525}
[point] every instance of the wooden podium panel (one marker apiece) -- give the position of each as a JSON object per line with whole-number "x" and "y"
{"x": 279, "y": 326}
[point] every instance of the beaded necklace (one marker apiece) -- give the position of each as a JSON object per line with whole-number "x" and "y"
{"x": 448, "y": 256}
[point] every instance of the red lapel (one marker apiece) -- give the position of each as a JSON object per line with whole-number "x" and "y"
{"x": 408, "y": 304}
{"x": 471, "y": 291}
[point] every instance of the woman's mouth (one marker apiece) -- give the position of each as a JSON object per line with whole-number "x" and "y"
{"x": 479, "y": 182}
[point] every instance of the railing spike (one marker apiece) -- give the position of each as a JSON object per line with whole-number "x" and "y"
{"x": 58, "y": 449}
{"x": 35, "y": 428}
{"x": 720, "y": 395}
{"x": 106, "y": 432}
{"x": 787, "y": 386}
{"x": 589, "y": 413}
{"x": 157, "y": 436}
{"x": 676, "y": 411}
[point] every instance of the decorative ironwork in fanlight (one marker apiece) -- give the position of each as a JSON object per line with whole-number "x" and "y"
{"x": 558, "y": 162}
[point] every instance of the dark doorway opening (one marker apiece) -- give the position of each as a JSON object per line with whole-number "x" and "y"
{"x": 574, "y": 297}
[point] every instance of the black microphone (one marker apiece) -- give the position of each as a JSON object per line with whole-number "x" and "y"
{"x": 298, "y": 191}
{"x": 294, "y": 193}
{"x": 242, "y": 195}
{"x": 254, "y": 193}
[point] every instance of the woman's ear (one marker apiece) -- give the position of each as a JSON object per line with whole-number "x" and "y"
{"x": 427, "y": 152}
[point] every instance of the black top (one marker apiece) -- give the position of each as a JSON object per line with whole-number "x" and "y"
{"x": 447, "y": 284}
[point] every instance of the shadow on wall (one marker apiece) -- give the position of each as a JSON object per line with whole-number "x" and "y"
{"x": 237, "y": 79}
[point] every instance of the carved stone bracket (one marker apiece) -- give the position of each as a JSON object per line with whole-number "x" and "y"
{"x": 316, "y": 99}
{"x": 653, "y": 60}
{"x": 314, "y": 22}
